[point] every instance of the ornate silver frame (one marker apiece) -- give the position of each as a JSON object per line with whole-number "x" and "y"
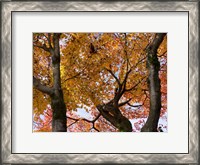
{"x": 7, "y": 7}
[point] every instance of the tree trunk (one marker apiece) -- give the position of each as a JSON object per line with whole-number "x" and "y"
{"x": 153, "y": 66}
{"x": 114, "y": 116}
{"x": 59, "y": 112}
{"x": 57, "y": 101}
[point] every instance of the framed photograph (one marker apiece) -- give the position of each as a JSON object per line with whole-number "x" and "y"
{"x": 99, "y": 82}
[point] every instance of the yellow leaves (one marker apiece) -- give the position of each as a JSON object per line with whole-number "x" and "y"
{"x": 105, "y": 38}
{"x": 94, "y": 85}
{"x": 106, "y": 65}
{"x": 62, "y": 71}
{"x": 74, "y": 35}
{"x": 40, "y": 101}
{"x": 162, "y": 50}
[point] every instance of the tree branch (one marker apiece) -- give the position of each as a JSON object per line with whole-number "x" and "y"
{"x": 44, "y": 47}
{"x": 89, "y": 121}
{"x": 42, "y": 88}
{"x": 126, "y": 53}
{"x": 135, "y": 85}
{"x": 49, "y": 40}
{"x": 72, "y": 123}
{"x": 125, "y": 79}
{"x": 140, "y": 61}
{"x": 94, "y": 120}
{"x": 134, "y": 105}
{"x": 95, "y": 129}
{"x": 114, "y": 76}
{"x": 75, "y": 76}
{"x": 125, "y": 102}
{"x": 156, "y": 42}
{"x": 75, "y": 121}
{"x": 162, "y": 54}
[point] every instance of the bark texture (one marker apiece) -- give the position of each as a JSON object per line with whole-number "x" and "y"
{"x": 111, "y": 110}
{"x": 59, "y": 112}
{"x": 55, "y": 92}
{"x": 112, "y": 114}
{"x": 153, "y": 66}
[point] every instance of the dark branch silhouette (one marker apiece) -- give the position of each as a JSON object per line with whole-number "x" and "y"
{"x": 42, "y": 88}
{"x": 124, "y": 103}
{"x": 44, "y": 47}
{"x": 110, "y": 71}
{"x": 135, "y": 106}
{"x": 89, "y": 121}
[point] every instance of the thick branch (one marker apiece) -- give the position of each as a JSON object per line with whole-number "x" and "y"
{"x": 56, "y": 37}
{"x": 93, "y": 122}
{"x": 42, "y": 88}
{"x": 153, "y": 66}
{"x": 156, "y": 42}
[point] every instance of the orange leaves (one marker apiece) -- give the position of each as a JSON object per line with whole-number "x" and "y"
{"x": 85, "y": 80}
{"x": 162, "y": 51}
{"x": 115, "y": 69}
{"x": 106, "y": 65}
{"x": 42, "y": 122}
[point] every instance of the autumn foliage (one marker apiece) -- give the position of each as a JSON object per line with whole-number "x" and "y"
{"x": 103, "y": 76}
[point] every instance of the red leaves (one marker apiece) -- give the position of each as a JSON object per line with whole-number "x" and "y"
{"x": 94, "y": 84}
{"x": 42, "y": 122}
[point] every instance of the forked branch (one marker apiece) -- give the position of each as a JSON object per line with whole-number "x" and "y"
{"x": 110, "y": 71}
{"x": 89, "y": 121}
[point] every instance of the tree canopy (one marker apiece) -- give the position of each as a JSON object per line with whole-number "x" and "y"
{"x": 103, "y": 75}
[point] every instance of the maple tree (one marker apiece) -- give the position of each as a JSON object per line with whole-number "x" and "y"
{"x": 114, "y": 77}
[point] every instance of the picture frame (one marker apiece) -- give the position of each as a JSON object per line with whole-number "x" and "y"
{"x": 8, "y": 8}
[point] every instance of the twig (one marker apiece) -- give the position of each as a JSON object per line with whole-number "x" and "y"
{"x": 135, "y": 85}
{"x": 89, "y": 121}
{"x": 125, "y": 102}
{"x": 134, "y": 105}
{"x": 114, "y": 76}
